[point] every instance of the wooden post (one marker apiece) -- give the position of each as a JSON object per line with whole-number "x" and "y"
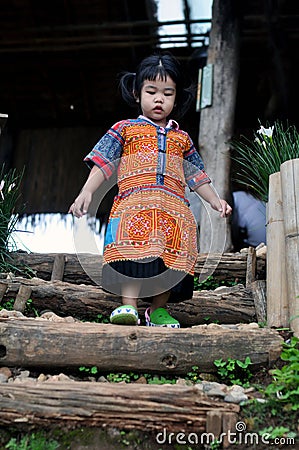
{"x": 58, "y": 267}
{"x": 290, "y": 196}
{"x": 217, "y": 120}
{"x": 3, "y": 289}
{"x": 22, "y": 297}
{"x": 258, "y": 288}
{"x": 251, "y": 267}
{"x": 229, "y": 421}
{"x": 277, "y": 301}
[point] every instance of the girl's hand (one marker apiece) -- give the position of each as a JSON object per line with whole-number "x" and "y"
{"x": 80, "y": 206}
{"x": 210, "y": 195}
{"x": 223, "y": 207}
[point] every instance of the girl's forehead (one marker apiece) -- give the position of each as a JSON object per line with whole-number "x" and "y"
{"x": 168, "y": 81}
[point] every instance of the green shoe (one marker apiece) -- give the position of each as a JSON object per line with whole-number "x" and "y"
{"x": 124, "y": 315}
{"x": 160, "y": 318}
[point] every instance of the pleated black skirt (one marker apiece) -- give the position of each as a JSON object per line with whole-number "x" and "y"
{"x": 153, "y": 277}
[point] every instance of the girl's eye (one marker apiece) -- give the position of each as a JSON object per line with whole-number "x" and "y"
{"x": 150, "y": 92}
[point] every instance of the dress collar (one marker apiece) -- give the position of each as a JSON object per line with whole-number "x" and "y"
{"x": 170, "y": 124}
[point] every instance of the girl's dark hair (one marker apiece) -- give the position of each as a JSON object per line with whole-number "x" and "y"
{"x": 158, "y": 65}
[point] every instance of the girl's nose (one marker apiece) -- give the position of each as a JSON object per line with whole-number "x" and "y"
{"x": 159, "y": 99}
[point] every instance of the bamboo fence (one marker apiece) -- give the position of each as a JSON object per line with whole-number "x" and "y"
{"x": 283, "y": 247}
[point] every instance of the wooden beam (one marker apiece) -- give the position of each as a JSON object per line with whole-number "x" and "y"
{"x": 226, "y": 305}
{"x": 131, "y": 406}
{"x": 42, "y": 343}
{"x": 87, "y": 268}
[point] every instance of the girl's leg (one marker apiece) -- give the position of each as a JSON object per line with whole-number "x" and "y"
{"x": 127, "y": 313}
{"x": 157, "y": 315}
{"x": 159, "y": 301}
{"x": 130, "y": 293}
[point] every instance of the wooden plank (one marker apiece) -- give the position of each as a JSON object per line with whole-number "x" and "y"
{"x": 130, "y": 406}
{"x": 226, "y": 305}
{"x": 290, "y": 201}
{"x": 42, "y": 343}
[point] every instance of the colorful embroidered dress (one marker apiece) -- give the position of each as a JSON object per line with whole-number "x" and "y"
{"x": 151, "y": 229}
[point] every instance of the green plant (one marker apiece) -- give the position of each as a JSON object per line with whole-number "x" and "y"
{"x": 258, "y": 158}
{"x": 193, "y": 374}
{"x": 89, "y": 370}
{"x": 285, "y": 385}
{"x": 10, "y": 192}
{"x": 119, "y": 377}
{"x": 276, "y": 432}
{"x": 234, "y": 371}
{"x": 132, "y": 376}
{"x": 160, "y": 379}
{"x": 215, "y": 445}
{"x": 34, "y": 441}
{"x": 8, "y": 304}
{"x": 30, "y": 308}
{"x": 101, "y": 319}
{"x": 212, "y": 283}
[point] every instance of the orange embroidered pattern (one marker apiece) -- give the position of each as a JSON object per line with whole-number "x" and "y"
{"x": 150, "y": 216}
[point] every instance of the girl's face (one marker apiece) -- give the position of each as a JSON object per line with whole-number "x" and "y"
{"x": 157, "y": 99}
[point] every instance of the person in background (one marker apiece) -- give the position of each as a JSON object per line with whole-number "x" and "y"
{"x": 248, "y": 220}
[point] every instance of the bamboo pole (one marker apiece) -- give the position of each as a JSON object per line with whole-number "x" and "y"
{"x": 290, "y": 195}
{"x": 277, "y": 301}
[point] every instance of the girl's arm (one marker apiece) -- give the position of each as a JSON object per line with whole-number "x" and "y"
{"x": 210, "y": 196}
{"x": 82, "y": 202}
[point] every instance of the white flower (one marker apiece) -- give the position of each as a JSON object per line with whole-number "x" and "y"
{"x": 263, "y": 143}
{"x": 266, "y": 131}
{"x": 1, "y": 188}
{"x": 11, "y": 186}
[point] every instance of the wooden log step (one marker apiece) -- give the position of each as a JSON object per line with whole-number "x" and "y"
{"x": 42, "y": 343}
{"x": 87, "y": 268}
{"x": 227, "y": 305}
{"x": 131, "y": 406}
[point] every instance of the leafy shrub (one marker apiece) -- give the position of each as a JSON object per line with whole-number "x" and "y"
{"x": 285, "y": 384}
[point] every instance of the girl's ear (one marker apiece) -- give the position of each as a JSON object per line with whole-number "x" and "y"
{"x": 136, "y": 96}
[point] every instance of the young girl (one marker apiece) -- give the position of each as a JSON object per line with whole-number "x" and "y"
{"x": 151, "y": 244}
